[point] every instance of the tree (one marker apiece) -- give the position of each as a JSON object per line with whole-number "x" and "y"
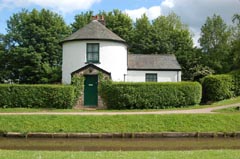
{"x": 235, "y": 52}
{"x": 215, "y": 43}
{"x": 119, "y": 23}
{"x": 170, "y": 35}
{"x": 81, "y": 20}
{"x": 116, "y": 21}
{"x": 3, "y": 72}
{"x": 141, "y": 42}
{"x": 33, "y": 50}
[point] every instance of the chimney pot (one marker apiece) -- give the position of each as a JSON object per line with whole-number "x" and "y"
{"x": 99, "y": 19}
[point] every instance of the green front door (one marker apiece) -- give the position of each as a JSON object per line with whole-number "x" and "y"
{"x": 91, "y": 90}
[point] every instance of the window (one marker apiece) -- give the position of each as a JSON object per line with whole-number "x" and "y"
{"x": 151, "y": 77}
{"x": 93, "y": 52}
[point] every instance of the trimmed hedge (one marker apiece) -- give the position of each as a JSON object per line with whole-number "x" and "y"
{"x": 119, "y": 95}
{"x": 236, "y": 80}
{"x": 36, "y": 96}
{"x": 218, "y": 87}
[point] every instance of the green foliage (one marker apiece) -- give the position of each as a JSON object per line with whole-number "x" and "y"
{"x": 235, "y": 52}
{"x": 192, "y": 64}
{"x": 165, "y": 35}
{"x": 215, "y": 43}
{"x": 236, "y": 79}
{"x": 170, "y": 35}
{"x": 116, "y": 21}
{"x": 142, "y": 36}
{"x": 81, "y": 20}
{"x": 32, "y": 50}
{"x": 150, "y": 95}
{"x": 78, "y": 83}
{"x": 36, "y": 96}
{"x": 217, "y": 87}
{"x": 119, "y": 23}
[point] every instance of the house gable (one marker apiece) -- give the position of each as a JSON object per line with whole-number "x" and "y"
{"x": 91, "y": 69}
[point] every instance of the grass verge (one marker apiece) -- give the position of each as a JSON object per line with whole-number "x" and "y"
{"x": 220, "y": 103}
{"x": 229, "y": 110}
{"x": 205, "y": 154}
{"x": 121, "y": 123}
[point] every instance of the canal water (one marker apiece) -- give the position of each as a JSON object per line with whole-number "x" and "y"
{"x": 119, "y": 144}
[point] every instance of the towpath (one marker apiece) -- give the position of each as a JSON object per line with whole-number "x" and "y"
{"x": 209, "y": 110}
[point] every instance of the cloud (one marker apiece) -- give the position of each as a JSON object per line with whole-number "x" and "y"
{"x": 63, "y": 6}
{"x": 168, "y": 3}
{"x": 192, "y": 12}
{"x": 195, "y": 13}
{"x": 152, "y": 12}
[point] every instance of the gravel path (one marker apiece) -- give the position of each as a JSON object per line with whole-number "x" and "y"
{"x": 190, "y": 111}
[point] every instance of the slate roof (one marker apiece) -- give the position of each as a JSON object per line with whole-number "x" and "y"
{"x": 152, "y": 62}
{"x": 94, "y": 31}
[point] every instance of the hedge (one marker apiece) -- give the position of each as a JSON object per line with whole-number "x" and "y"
{"x": 218, "y": 87}
{"x": 119, "y": 95}
{"x": 236, "y": 80}
{"x": 36, "y": 96}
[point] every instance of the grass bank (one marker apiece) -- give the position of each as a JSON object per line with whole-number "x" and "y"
{"x": 206, "y": 154}
{"x": 121, "y": 123}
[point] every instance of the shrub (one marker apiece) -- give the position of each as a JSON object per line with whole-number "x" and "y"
{"x": 236, "y": 80}
{"x": 118, "y": 95}
{"x": 217, "y": 87}
{"x": 36, "y": 96}
{"x": 78, "y": 83}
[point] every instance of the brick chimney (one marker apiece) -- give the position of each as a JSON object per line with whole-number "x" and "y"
{"x": 99, "y": 18}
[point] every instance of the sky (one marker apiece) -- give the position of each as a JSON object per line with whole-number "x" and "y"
{"x": 192, "y": 12}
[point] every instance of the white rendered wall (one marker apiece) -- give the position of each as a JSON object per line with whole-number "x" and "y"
{"x": 162, "y": 76}
{"x": 112, "y": 58}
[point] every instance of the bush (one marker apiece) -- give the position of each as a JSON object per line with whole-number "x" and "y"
{"x": 118, "y": 95}
{"x": 217, "y": 87}
{"x": 78, "y": 83}
{"x": 36, "y": 96}
{"x": 236, "y": 80}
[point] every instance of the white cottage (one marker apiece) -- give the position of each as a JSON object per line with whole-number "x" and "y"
{"x": 94, "y": 49}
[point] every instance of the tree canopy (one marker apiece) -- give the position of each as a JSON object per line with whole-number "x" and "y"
{"x": 215, "y": 42}
{"x": 32, "y": 46}
{"x": 235, "y": 54}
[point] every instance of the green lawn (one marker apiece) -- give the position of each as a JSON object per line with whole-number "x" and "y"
{"x": 229, "y": 110}
{"x": 206, "y": 154}
{"x": 121, "y": 123}
{"x": 220, "y": 103}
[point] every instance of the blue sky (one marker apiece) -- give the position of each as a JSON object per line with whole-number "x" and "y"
{"x": 192, "y": 12}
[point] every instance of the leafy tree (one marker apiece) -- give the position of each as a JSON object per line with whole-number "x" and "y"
{"x": 170, "y": 35}
{"x": 116, "y": 21}
{"x": 119, "y": 23}
{"x": 142, "y": 42}
{"x": 215, "y": 43}
{"x": 235, "y": 53}
{"x": 33, "y": 50}
{"x": 3, "y": 58}
{"x": 81, "y": 20}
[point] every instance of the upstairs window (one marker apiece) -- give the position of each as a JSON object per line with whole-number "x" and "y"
{"x": 151, "y": 77}
{"x": 93, "y": 52}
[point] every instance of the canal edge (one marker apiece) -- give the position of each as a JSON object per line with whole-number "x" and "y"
{"x": 123, "y": 135}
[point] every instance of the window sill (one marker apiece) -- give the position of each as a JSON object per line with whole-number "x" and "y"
{"x": 92, "y": 63}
